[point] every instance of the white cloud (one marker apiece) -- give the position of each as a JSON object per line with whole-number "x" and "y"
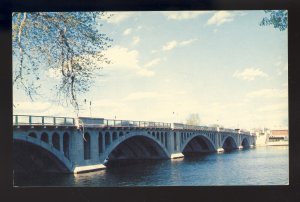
{"x": 136, "y": 40}
{"x": 141, "y": 95}
{"x": 117, "y": 17}
{"x": 221, "y": 17}
{"x": 173, "y": 44}
{"x": 123, "y": 58}
{"x": 249, "y": 74}
{"x": 127, "y": 31}
{"x": 187, "y": 42}
{"x": 152, "y": 62}
{"x": 146, "y": 72}
{"x": 269, "y": 93}
{"x": 183, "y": 15}
{"x": 170, "y": 45}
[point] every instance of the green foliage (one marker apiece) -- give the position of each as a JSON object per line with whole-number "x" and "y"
{"x": 67, "y": 42}
{"x": 277, "y": 18}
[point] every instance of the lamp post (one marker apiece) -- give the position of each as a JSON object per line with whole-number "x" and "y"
{"x": 90, "y": 107}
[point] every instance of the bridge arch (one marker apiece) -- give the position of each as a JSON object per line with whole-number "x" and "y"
{"x": 137, "y": 145}
{"x": 197, "y": 143}
{"x": 46, "y": 158}
{"x": 45, "y": 137}
{"x": 229, "y": 143}
{"x": 245, "y": 143}
{"x": 56, "y": 141}
{"x": 32, "y": 134}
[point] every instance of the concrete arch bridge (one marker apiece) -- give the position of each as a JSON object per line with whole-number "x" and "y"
{"x": 74, "y": 145}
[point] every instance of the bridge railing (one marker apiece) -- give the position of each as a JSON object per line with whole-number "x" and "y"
{"x": 42, "y": 120}
{"x": 83, "y": 121}
{"x": 193, "y": 127}
{"x": 206, "y": 128}
{"x": 129, "y": 123}
{"x": 100, "y": 122}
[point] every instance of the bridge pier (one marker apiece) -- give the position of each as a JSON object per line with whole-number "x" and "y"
{"x": 94, "y": 147}
{"x": 176, "y": 155}
{"x": 90, "y": 168}
{"x": 174, "y": 145}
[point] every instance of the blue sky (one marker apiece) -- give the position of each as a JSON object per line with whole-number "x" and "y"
{"x": 167, "y": 65}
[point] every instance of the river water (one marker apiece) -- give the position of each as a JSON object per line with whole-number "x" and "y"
{"x": 255, "y": 166}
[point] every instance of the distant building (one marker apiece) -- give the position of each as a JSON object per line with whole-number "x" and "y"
{"x": 278, "y": 137}
{"x": 262, "y": 136}
{"x": 279, "y": 134}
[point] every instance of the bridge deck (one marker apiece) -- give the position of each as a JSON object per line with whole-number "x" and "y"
{"x": 48, "y": 121}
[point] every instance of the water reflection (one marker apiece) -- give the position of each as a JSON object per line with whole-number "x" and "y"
{"x": 177, "y": 160}
{"x": 258, "y": 166}
{"x": 87, "y": 177}
{"x": 278, "y": 147}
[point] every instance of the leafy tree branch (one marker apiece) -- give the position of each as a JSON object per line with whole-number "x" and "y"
{"x": 277, "y": 18}
{"x": 66, "y": 41}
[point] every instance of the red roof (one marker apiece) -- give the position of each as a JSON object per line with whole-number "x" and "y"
{"x": 279, "y": 133}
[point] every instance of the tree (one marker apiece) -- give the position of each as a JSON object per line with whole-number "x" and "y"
{"x": 67, "y": 42}
{"x": 216, "y": 125}
{"x": 277, "y": 18}
{"x": 193, "y": 119}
